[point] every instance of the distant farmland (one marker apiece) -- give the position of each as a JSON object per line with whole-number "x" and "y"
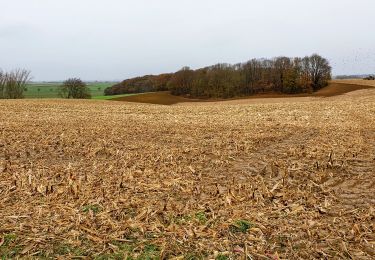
{"x": 50, "y": 89}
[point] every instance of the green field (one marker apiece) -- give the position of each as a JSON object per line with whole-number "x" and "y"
{"x": 50, "y": 90}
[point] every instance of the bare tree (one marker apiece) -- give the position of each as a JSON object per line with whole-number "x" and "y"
{"x": 320, "y": 71}
{"x": 2, "y": 84}
{"x": 281, "y": 74}
{"x": 74, "y": 88}
{"x": 181, "y": 81}
{"x": 13, "y": 83}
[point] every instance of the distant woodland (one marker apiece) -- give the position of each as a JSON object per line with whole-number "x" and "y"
{"x": 361, "y": 76}
{"x": 280, "y": 75}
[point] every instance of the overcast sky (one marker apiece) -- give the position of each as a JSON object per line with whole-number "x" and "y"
{"x": 117, "y": 39}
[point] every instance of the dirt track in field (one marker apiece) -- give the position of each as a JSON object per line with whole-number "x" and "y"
{"x": 165, "y": 98}
{"x": 292, "y": 178}
{"x": 335, "y": 89}
{"x": 355, "y": 82}
{"x": 158, "y": 98}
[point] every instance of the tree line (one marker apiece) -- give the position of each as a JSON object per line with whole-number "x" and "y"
{"x": 13, "y": 84}
{"x": 281, "y": 74}
{"x": 147, "y": 83}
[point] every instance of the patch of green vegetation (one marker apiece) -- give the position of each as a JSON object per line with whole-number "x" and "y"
{"x": 114, "y": 256}
{"x": 9, "y": 249}
{"x": 9, "y": 238}
{"x": 181, "y": 219}
{"x": 123, "y": 246}
{"x": 79, "y": 252}
{"x": 150, "y": 251}
{"x": 50, "y": 89}
{"x": 192, "y": 256}
{"x": 240, "y": 226}
{"x": 41, "y": 90}
{"x": 127, "y": 251}
{"x": 64, "y": 249}
{"x": 94, "y": 208}
{"x": 222, "y": 257}
{"x": 201, "y": 217}
{"x": 42, "y": 255}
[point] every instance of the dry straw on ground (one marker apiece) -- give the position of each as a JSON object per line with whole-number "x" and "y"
{"x": 110, "y": 180}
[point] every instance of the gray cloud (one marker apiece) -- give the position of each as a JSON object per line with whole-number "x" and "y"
{"x": 116, "y": 39}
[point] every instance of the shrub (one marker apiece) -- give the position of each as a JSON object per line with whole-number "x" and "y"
{"x": 240, "y": 226}
{"x": 74, "y": 88}
{"x": 13, "y": 83}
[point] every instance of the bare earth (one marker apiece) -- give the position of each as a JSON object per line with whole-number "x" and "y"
{"x": 338, "y": 87}
{"x": 360, "y": 82}
{"x": 290, "y": 178}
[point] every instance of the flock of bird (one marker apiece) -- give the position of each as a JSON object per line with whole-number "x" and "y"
{"x": 360, "y": 61}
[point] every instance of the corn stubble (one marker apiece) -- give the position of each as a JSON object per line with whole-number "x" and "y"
{"x": 292, "y": 180}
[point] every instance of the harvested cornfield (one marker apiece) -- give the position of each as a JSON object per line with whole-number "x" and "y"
{"x": 360, "y": 82}
{"x": 113, "y": 180}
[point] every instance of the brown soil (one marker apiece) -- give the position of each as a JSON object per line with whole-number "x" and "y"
{"x": 335, "y": 89}
{"x": 355, "y": 82}
{"x": 165, "y": 98}
{"x": 159, "y": 98}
